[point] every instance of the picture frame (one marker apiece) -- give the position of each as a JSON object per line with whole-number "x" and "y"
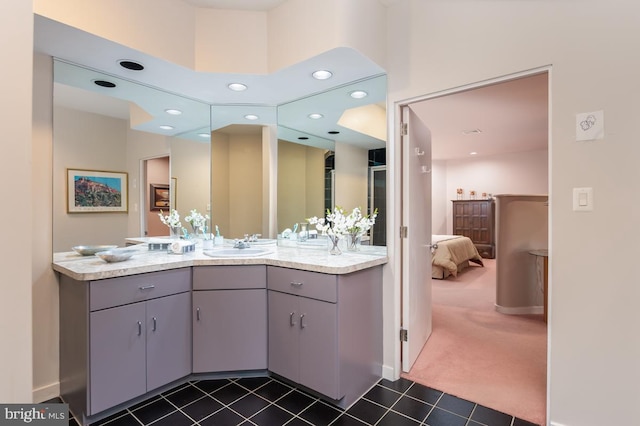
{"x": 97, "y": 191}
{"x": 159, "y": 197}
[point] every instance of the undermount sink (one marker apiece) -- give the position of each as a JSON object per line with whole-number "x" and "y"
{"x": 234, "y": 252}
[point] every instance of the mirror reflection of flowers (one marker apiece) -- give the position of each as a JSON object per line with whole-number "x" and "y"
{"x": 172, "y": 220}
{"x": 197, "y": 220}
{"x": 337, "y": 222}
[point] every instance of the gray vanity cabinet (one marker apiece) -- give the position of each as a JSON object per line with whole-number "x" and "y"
{"x": 229, "y": 318}
{"x": 123, "y": 337}
{"x": 324, "y": 330}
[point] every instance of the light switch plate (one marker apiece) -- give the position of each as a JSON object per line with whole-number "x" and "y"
{"x": 582, "y": 199}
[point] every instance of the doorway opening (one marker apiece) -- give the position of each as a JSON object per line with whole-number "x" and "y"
{"x": 156, "y": 195}
{"x": 524, "y": 141}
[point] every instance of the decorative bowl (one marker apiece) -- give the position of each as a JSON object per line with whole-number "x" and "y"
{"x": 116, "y": 255}
{"x": 91, "y": 250}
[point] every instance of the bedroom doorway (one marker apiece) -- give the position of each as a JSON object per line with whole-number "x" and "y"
{"x": 442, "y": 195}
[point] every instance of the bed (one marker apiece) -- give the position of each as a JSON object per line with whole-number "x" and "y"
{"x": 452, "y": 254}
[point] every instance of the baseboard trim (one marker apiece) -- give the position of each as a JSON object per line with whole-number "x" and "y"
{"x": 46, "y": 393}
{"x": 388, "y": 373}
{"x": 522, "y": 310}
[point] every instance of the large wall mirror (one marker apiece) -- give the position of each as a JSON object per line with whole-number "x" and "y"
{"x": 257, "y": 167}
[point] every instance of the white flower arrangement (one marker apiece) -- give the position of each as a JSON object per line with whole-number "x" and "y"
{"x": 337, "y": 223}
{"x": 197, "y": 220}
{"x": 172, "y": 220}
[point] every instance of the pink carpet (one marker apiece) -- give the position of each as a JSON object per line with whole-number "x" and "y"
{"x": 478, "y": 354}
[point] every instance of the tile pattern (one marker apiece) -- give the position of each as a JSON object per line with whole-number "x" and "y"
{"x": 265, "y": 401}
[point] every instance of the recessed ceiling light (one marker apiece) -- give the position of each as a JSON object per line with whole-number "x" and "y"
{"x": 322, "y": 74}
{"x": 472, "y": 132}
{"x": 104, "y": 83}
{"x": 173, "y": 111}
{"x": 166, "y": 127}
{"x": 333, "y": 132}
{"x": 131, "y": 65}
{"x": 204, "y": 135}
{"x": 473, "y": 153}
{"x": 358, "y": 94}
{"x": 237, "y": 87}
{"x": 251, "y": 117}
{"x": 303, "y": 138}
{"x": 315, "y": 116}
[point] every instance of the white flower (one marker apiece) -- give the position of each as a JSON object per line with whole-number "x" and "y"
{"x": 338, "y": 223}
{"x": 172, "y": 220}
{"x": 196, "y": 219}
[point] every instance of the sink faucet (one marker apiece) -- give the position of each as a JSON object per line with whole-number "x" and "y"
{"x": 241, "y": 244}
{"x": 251, "y": 238}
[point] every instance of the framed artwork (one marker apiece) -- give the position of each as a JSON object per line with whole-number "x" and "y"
{"x": 96, "y": 191}
{"x": 159, "y": 196}
{"x": 173, "y": 193}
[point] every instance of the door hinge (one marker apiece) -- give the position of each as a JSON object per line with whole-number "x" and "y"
{"x": 404, "y": 129}
{"x": 404, "y": 231}
{"x": 404, "y": 335}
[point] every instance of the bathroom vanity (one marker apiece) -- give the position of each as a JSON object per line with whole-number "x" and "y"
{"x": 132, "y": 329}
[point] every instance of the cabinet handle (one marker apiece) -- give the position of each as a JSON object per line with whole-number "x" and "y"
{"x": 302, "y": 324}
{"x": 197, "y": 314}
{"x": 139, "y": 328}
{"x": 155, "y": 323}
{"x": 295, "y": 284}
{"x": 291, "y": 321}
{"x": 147, "y": 287}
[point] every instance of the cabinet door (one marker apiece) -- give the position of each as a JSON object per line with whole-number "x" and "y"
{"x": 229, "y": 330}
{"x": 284, "y": 333}
{"x": 116, "y": 356}
{"x": 168, "y": 339}
{"x": 319, "y": 347}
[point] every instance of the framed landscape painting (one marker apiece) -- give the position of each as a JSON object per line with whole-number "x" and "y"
{"x": 96, "y": 191}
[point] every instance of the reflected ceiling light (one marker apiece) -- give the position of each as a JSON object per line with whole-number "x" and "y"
{"x": 204, "y": 135}
{"x": 173, "y": 111}
{"x": 303, "y": 138}
{"x": 472, "y": 132}
{"x": 131, "y": 65}
{"x": 237, "y": 87}
{"x": 322, "y": 74}
{"x": 251, "y": 117}
{"x": 358, "y": 94}
{"x": 315, "y": 116}
{"x": 166, "y": 127}
{"x": 473, "y": 153}
{"x": 333, "y": 132}
{"x": 104, "y": 83}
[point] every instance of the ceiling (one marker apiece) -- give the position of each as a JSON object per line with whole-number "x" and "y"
{"x": 511, "y": 116}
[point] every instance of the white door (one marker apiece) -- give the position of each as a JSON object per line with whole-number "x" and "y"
{"x": 416, "y": 252}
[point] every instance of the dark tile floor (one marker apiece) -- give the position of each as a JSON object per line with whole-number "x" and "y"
{"x": 265, "y": 401}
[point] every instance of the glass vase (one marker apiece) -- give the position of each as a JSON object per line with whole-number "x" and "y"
{"x": 333, "y": 241}
{"x": 176, "y": 232}
{"x": 353, "y": 241}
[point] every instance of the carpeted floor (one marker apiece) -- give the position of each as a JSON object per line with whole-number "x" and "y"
{"x": 481, "y": 355}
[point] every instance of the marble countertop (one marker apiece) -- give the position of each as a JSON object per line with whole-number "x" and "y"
{"x": 85, "y": 268}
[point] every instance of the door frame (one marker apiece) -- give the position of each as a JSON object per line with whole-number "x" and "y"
{"x": 394, "y": 242}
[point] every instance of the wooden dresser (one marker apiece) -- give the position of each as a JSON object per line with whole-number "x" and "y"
{"x": 476, "y": 219}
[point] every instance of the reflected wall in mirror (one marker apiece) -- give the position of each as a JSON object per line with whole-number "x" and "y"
{"x": 106, "y": 130}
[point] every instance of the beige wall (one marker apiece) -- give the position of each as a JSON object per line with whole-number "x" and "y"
{"x": 300, "y": 183}
{"x": 352, "y": 168}
{"x": 245, "y": 185}
{"x": 438, "y": 47}
{"x": 191, "y": 165}
{"x": 91, "y": 142}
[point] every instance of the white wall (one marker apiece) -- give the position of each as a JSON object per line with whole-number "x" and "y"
{"x": 440, "y": 45}
{"x": 18, "y": 169}
{"x": 513, "y": 173}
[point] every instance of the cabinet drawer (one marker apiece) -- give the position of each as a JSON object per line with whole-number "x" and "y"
{"x": 120, "y": 291}
{"x": 229, "y": 277}
{"x": 303, "y": 283}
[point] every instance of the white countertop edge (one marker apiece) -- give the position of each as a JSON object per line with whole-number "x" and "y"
{"x": 89, "y": 268}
